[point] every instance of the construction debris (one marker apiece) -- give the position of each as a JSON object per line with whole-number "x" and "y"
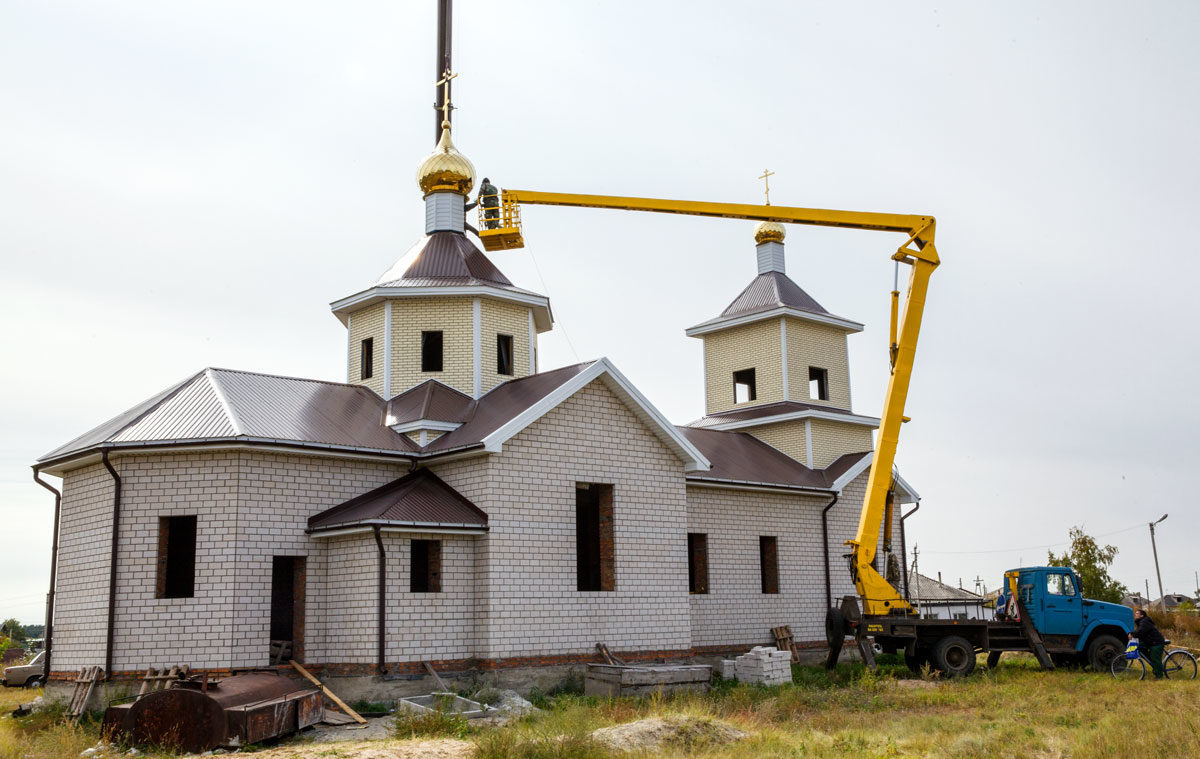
{"x": 762, "y": 665}
{"x": 85, "y": 683}
{"x": 611, "y": 681}
{"x": 332, "y": 696}
{"x": 199, "y": 715}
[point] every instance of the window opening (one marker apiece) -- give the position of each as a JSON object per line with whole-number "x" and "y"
{"x": 744, "y": 386}
{"x": 818, "y": 384}
{"x": 425, "y": 567}
{"x": 504, "y": 354}
{"x": 176, "y": 557}
{"x": 697, "y": 562}
{"x": 431, "y": 351}
{"x": 367, "y": 359}
{"x": 768, "y": 560}
{"x": 594, "y": 537}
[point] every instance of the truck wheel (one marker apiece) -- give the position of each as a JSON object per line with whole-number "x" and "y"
{"x": 1102, "y": 650}
{"x": 954, "y": 656}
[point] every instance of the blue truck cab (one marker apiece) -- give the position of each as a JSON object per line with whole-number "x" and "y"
{"x": 1053, "y": 598}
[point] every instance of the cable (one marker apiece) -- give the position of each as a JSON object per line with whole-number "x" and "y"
{"x": 1034, "y": 548}
{"x": 546, "y": 290}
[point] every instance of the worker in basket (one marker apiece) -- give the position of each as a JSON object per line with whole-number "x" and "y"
{"x": 489, "y": 198}
{"x": 1150, "y": 640}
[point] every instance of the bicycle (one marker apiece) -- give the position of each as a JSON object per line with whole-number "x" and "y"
{"x": 1177, "y": 664}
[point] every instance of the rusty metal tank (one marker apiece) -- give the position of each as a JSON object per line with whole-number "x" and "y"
{"x": 197, "y": 716}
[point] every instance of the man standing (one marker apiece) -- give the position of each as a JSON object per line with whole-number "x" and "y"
{"x": 1150, "y": 640}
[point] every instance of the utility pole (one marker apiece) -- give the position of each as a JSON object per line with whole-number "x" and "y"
{"x": 444, "y": 29}
{"x": 1147, "y": 592}
{"x": 1162, "y": 599}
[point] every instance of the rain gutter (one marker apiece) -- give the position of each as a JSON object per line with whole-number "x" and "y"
{"x": 379, "y": 657}
{"x": 49, "y": 635}
{"x": 825, "y": 546}
{"x": 112, "y": 565}
{"x": 904, "y": 549}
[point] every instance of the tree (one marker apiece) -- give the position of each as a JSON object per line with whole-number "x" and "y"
{"x": 13, "y": 629}
{"x": 1091, "y": 562}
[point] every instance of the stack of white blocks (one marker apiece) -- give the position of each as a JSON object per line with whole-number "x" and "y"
{"x": 765, "y": 665}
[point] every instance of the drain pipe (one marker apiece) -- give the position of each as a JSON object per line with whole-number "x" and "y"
{"x": 825, "y": 546}
{"x": 49, "y": 648}
{"x": 379, "y": 663}
{"x": 112, "y": 565}
{"x": 904, "y": 549}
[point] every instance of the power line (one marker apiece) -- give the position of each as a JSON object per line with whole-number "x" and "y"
{"x": 1046, "y": 546}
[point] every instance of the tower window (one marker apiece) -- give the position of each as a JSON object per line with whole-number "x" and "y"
{"x": 593, "y": 536}
{"x": 743, "y": 386}
{"x": 176, "y": 557}
{"x": 425, "y": 566}
{"x": 431, "y": 351}
{"x": 818, "y": 384}
{"x": 697, "y": 562}
{"x": 504, "y": 354}
{"x": 768, "y": 562}
{"x": 367, "y": 365}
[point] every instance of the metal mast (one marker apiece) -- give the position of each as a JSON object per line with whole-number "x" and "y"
{"x": 445, "y": 12}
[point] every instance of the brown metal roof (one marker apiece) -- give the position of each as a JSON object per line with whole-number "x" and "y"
{"x": 443, "y": 258}
{"x": 770, "y": 290}
{"x": 418, "y": 499}
{"x": 430, "y": 400}
{"x": 763, "y": 411}
{"x": 743, "y": 458}
{"x": 221, "y": 404}
{"x": 503, "y": 404}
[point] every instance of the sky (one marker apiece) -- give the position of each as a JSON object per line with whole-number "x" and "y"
{"x": 190, "y": 184}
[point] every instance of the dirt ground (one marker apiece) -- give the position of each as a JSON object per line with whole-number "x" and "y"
{"x": 374, "y": 749}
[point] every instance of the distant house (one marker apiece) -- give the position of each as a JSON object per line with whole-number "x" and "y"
{"x": 1173, "y": 601}
{"x": 936, "y": 600}
{"x": 1134, "y": 600}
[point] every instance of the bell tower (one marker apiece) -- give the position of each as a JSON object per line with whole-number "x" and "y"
{"x": 443, "y": 312}
{"x": 776, "y": 365}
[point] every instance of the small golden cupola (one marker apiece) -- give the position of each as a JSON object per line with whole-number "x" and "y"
{"x": 445, "y": 178}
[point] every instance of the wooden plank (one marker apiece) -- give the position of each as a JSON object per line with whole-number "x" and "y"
{"x": 332, "y": 696}
{"x": 150, "y": 672}
{"x": 337, "y": 718}
{"x": 609, "y": 658}
{"x": 441, "y": 684}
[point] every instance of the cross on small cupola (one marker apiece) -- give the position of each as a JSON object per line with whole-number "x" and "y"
{"x": 766, "y": 178}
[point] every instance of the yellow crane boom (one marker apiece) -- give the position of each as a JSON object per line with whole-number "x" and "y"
{"x": 500, "y": 229}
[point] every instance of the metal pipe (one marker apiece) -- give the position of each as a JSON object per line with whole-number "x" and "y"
{"x": 112, "y": 565}
{"x": 904, "y": 549}
{"x": 379, "y": 654}
{"x": 49, "y": 634}
{"x": 825, "y": 550}
{"x": 444, "y": 29}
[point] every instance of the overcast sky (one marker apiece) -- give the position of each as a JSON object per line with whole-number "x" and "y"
{"x": 190, "y": 184}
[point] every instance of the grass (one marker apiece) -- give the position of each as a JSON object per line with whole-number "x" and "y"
{"x": 1014, "y": 711}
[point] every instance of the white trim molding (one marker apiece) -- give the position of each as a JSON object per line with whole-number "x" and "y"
{"x": 425, "y": 424}
{"x": 904, "y": 492}
{"x": 349, "y": 350}
{"x": 543, "y": 317}
{"x": 387, "y": 350}
{"x": 717, "y": 325}
{"x": 737, "y": 424}
{"x": 808, "y": 454}
{"x": 602, "y": 369}
{"x": 477, "y": 346}
{"x": 532, "y": 345}
{"x": 783, "y": 356}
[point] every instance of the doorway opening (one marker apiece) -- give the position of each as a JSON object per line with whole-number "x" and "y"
{"x": 287, "y": 609}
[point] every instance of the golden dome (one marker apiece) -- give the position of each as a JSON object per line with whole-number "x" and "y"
{"x": 769, "y": 231}
{"x": 446, "y": 168}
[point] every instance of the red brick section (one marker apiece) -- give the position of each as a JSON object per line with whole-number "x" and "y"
{"x": 464, "y": 665}
{"x": 607, "y": 580}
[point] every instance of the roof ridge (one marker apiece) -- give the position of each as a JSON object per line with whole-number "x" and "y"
{"x": 226, "y": 406}
{"x": 283, "y": 376}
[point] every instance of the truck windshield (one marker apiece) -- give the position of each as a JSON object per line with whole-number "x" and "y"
{"x": 1060, "y": 585}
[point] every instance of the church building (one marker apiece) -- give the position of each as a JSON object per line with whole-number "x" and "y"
{"x": 456, "y": 502}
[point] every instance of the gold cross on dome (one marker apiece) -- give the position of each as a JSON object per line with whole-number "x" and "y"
{"x": 445, "y": 82}
{"x": 767, "y": 173}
